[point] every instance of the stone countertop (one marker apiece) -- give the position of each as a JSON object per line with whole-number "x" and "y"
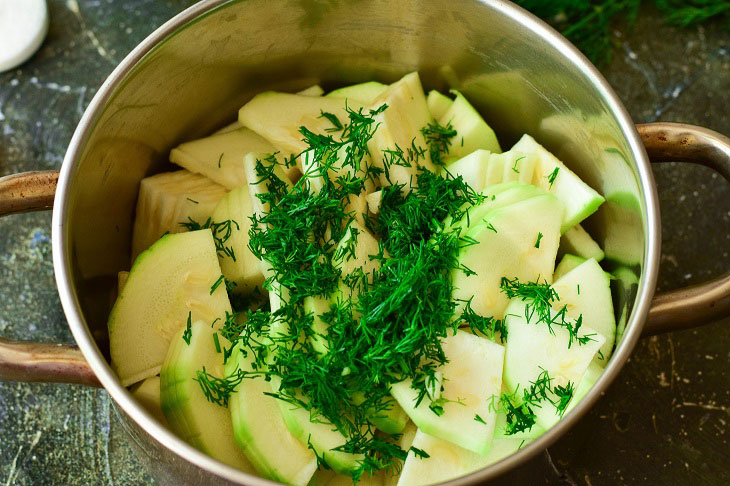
{"x": 664, "y": 421}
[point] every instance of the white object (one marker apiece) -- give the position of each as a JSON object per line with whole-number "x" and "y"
{"x": 23, "y": 26}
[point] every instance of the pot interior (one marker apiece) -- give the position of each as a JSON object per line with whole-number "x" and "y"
{"x": 194, "y": 81}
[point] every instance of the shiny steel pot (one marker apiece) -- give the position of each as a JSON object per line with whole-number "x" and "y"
{"x": 193, "y": 73}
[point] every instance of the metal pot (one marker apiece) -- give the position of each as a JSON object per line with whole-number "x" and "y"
{"x": 193, "y": 73}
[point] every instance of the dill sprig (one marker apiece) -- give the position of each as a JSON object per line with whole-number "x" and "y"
{"x": 438, "y": 138}
{"x": 221, "y": 233}
{"x": 519, "y": 410}
{"x": 218, "y": 390}
{"x": 539, "y": 299}
{"x": 588, "y": 23}
{"x": 394, "y": 327}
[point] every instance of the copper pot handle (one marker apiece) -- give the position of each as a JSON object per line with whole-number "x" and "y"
{"x": 698, "y": 304}
{"x": 24, "y": 360}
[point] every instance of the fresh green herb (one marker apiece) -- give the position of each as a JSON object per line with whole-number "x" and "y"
{"x": 221, "y": 233}
{"x": 219, "y": 160}
{"x": 336, "y": 123}
{"x": 539, "y": 299}
{"x": 479, "y": 419}
{"x": 539, "y": 237}
{"x": 491, "y": 227}
{"x": 438, "y": 138}
{"x": 188, "y": 332}
{"x": 514, "y": 167}
{"x": 218, "y": 390}
{"x": 394, "y": 328}
{"x": 420, "y": 453}
{"x": 192, "y": 200}
{"x": 216, "y": 284}
{"x": 216, "y": 342}
{"x": 563, "y": 394}
{"x": 578, "y": 289}
{"x": 589, "y": 23}
{"x": 552, "y": 176}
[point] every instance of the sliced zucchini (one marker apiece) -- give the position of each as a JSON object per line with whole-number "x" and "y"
{"x": 219, "y": 157}
{"x": 567, "y": 263}
{"x": 205, "y": 425}
{"x": 438, "y": 104}
{"x": 314, "y": 90}
{"x": 507, "y": 247}
{"x": 462, "y": 413}
{"x": 472, "y": 132}
{"x": 148, "y": 395}
{"x": 586, "y": 291}
{"x": 399, "y": 127}
{"x": 260, "y": 431}
{"x": 472, "y": 168}
{"x": 166, "y": 200}
{"x": 579, "y": 199}
{"x": 577, "y": 241}
{"x": 321, "y": 436}
{"x": 533, "y": 349}
{"x": 448, "y": 461}
{"x": 365, "y": 93}
{"x": 277, "y": 117}
{"x": 238, "y": 264}
{"x": 168, "y": 282}
{"x": 518, "y": 166}
{"x": 354, "y": 258}
{"x": 591, "y": 376}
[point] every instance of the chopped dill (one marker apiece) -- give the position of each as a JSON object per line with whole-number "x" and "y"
{"x": 336, "y": 123}
{"x": 221, "y": 233}
{"x": 216, "y": 342}
{"x": 479, "y": 419}
{"x": 218, "y": 390}
{"x": 188, "y": 332}
{"x": 537, "y": 243}
{"x": 219, "y": 160}
{"x": 438, "y": 138}
{"x": 552, "y": 176}
{"x": 216, "y": 284}
{"x": 539, "y": 299}
{"x": 192, "y": 200}
{"x": 420, "y": 453}
{"x": 514, "y": 167}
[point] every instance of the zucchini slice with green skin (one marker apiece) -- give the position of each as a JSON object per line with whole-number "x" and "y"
{"x": 260, "y": 431}
{"x": 506, "y": 247}
{"x": 364, "y": 93}
{"x": 579, "y": 199}
{"x": 238, "y": 264}
{"x": 567, "y": 263}
{"x": 472, "y": 132}
{"x": 205, "y": 425}
{"x": 438, "y": 104}
{"x": 577, "y": 241}
{"x": 321, "y": 436}
{"x": 168, "y": 282}
{"x": 462, "y": 413}
{"x": 448, "y": 461}
{"x": 586, "y": 291}
{"x": 534, "y": 349}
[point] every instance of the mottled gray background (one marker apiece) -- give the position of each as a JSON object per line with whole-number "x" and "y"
{"x": 664, "y": 421}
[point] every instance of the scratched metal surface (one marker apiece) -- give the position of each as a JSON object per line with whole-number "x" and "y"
{"x": 664, "y": 421}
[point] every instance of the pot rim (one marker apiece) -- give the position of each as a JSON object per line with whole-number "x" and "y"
{"x": 124, "y": 399}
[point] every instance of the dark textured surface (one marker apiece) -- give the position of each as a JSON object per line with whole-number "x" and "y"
{"x": 664, "y": 421}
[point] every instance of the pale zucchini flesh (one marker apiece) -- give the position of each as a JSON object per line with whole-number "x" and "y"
{"x": 204, "y": 424}
{"x": 168, "y": 282}
{"x": 260, "y": 431}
